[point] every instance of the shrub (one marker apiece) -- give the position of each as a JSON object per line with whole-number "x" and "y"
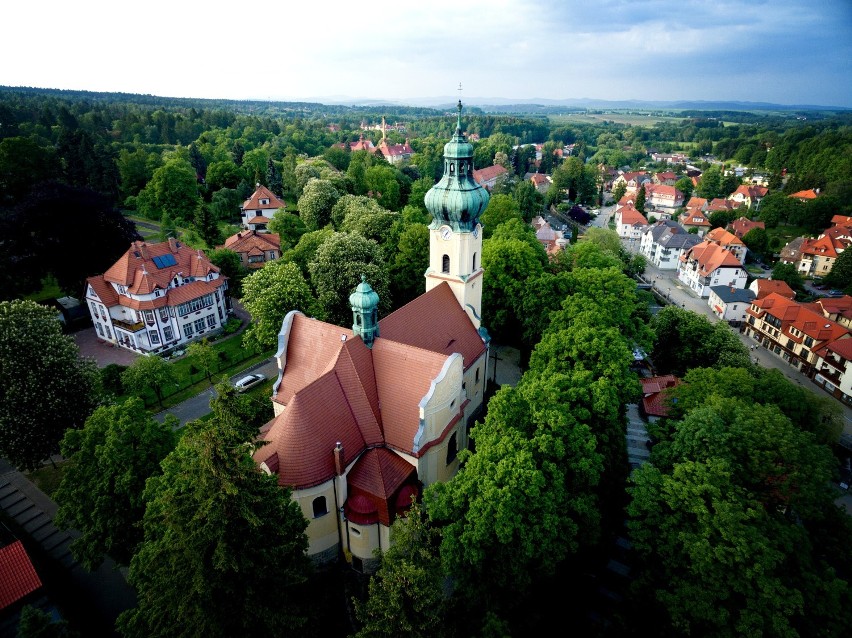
{"x": 111, "y": 378}
{"x": 231, "y": 326}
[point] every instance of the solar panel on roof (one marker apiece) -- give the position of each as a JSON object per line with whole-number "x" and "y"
{"x": 164, "y": 261}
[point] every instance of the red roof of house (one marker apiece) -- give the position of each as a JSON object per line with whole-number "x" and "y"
{"x": 260, "y": 193}
{"x": 696, "y": 202}
{"x": 723, "y": 237}
{"x": 488, "y": 173}
{"x": 806, "y": 194}
{"x": 146, "y": 267}
{"x": 539, "y": 178}
{"x": 740, "y": 227}
{"x": 630, "y": 215}
{"x": 395, "y": 150}
{"x": 18, "y": 577}
{"x": 711, "y": 257}
{"x": 654, "y": 401}
{"x": 770, "y": 286}
{"x": 252, "y": 241}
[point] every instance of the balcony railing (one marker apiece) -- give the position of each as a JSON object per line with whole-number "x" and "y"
{"x": 130, "y": 327}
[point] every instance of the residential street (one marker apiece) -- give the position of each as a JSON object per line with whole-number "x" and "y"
{"x": 665, "y": 282}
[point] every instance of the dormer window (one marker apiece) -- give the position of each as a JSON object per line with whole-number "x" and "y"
{"x": 264, "y": 202}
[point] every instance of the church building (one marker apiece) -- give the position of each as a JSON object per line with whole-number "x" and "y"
{"x": 367, "y": 416}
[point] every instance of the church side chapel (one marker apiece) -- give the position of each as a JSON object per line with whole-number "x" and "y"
{"x": 366, "y": 417}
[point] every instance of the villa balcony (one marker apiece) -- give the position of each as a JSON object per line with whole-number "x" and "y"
{"x": 129, "y": 327}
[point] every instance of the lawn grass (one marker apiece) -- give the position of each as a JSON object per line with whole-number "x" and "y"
{"x": 49, "y": 290}
{"x": 233, "y": 358}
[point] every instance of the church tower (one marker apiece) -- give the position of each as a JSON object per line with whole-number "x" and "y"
{"x": 365, "y": 319}
{"x": 455, "y": 235}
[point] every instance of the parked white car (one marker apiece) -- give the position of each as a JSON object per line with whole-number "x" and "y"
{"x": 249, "y": 381}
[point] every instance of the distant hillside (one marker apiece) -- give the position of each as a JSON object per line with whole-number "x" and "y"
{"x": 545, "y": 106}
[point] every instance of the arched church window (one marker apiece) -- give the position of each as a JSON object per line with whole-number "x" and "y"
{"x": 357, "y": 320}
{"x": 320, "y": 506}
{"x": 474, "y": 261}
{"x": 452, "y": 169}
{"x": 445, "y": 263}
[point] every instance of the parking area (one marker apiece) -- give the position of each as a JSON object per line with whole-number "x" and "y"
{"x": 102, "y": 352}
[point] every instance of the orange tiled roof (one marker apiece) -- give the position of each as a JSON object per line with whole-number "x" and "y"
{"x": 740, "y": 227}
{"x": 19, "y": 576}
{"x": 806, "y": 194}
{"x": 655, "y": 395}
{"x": 336, "y": 389}
{"x": 770, "y": 286}
{"x": 139, "y": 271}
{"x": 260, "y": 193}
{"x": 711, "y": 257}
{"x": 488, "y": 173}
{"x": 696, "y": 202}
{"x": 723, "y": 237}
{"x": 821, "y": 247}
{"x": 630, "y": 215}
{"x": 247, "y": 241}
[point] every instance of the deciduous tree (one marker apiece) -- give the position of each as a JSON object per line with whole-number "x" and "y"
{"x": 268, "y": 295}
{"x": 406, "y": 594}
{"x": 318, "y": 198}
{"x": 47, "y": 387}
{"x": 148, "y": 372}
{"x": 337, "y": 269}
{"x": 108, "y": 462}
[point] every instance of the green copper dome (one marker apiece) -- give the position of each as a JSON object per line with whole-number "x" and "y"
{"x": 457, "y": 200}
{"x": 365, "y": 319}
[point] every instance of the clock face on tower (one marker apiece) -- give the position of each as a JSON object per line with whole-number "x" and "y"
{"x": 446, "y": 232}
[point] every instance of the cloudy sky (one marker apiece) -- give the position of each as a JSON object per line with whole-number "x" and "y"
{"x": 781, "y": 51}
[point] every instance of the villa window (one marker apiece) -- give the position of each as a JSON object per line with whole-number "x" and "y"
{"x": 164, "y": 314}
{"x": 154, "y": 337}
{"x": 168, "y": 335}
{"x": 211, "y": 321}
{"x": 187, "y": 330}
{"x": 445, "y": 263}
{"x": 100, "y": 331}
{"x": 199, "y": 325}
{"x": 320, "y": 506}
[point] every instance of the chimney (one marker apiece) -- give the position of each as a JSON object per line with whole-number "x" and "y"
{"x": 143, "y": 249}
{"x": 338, "y": 458}
{"x": 173, "y": 245}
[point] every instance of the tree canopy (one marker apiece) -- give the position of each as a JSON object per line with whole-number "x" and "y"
{"x": 47, "y": 387}
{"x": 224, "y": 549}
{"x": 109, "y": 459}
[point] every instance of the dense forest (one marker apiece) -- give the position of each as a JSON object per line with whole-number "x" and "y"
{"x": 732, "y": 525}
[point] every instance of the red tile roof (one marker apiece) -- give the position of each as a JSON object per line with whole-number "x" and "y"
{"x": 336, "y": 389}
{"x": 244, "y": 242}
{"x": 770, "y": 286}
{"x": 710, "y": 257}
{"x": 806, "y": 194}
{"x": 253, "y": 202}
{"x": 138, "y": 271}
{"x": 488, "y": 173}
{"x": 654, "y": 389}
{"x": 18, "y": 577}
{"x": 740, "y": 227}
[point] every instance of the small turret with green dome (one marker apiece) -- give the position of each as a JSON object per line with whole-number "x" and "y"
{"x": 457, "y": 200}
{"x": 365, "y": 316}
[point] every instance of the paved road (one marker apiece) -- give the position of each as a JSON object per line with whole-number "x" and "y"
{"x": 199, "y": 405}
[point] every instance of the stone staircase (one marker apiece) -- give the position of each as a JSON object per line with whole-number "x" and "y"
{"x": 36, "y": 522}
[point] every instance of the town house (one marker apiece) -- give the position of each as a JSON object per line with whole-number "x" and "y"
{"x": 663, "y": 242}
{"x": 708, "y": 264}
{"x": 258, "y": 209}
{"x": 793, "y": 332}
